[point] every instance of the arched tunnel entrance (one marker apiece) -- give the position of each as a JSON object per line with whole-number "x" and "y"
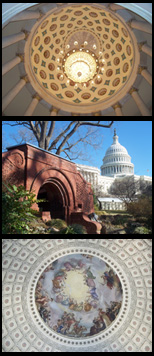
{"x": 55, "y": 203}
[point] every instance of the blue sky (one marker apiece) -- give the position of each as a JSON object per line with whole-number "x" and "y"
{"x": 136, "y": 136}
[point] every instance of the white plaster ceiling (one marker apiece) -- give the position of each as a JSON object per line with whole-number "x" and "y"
{"x": 24, "y": 262}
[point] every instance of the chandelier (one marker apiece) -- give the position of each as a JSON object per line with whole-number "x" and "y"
{"x": 81, "y": 66}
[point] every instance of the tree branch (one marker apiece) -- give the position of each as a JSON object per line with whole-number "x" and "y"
{"x": 50, "y": 133}
{"x": 61, "y": 135}
{"x": 23, "y": 123}
{"x": 67, "y": 138}
{"x": 43, "y": 132}
{"x": 89, "y": 123}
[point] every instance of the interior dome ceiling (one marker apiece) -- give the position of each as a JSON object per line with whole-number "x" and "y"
{"x": 36, "y": 270}
{"x": 82, "y": 293}
{"x": 94, "y": 31}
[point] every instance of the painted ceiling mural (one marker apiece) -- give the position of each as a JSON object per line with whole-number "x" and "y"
{"x": 97, "y": 33}
{"x": 79, "y": 296}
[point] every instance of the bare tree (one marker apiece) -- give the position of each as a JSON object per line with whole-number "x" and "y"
{"x": 146, "y": 188}
{"x": 23, "y": 135}
{"x": 65, "y": 140}
{"x": 126, "y": 189}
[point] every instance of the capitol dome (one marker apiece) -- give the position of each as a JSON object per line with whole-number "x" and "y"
{"x": 117, "y": 161}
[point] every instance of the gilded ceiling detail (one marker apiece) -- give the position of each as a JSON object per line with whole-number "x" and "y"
{"x": 92, "y": 31}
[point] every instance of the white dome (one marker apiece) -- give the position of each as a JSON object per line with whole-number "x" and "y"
{"x": 117, "y": 160}
{"x": 116, "y": 148}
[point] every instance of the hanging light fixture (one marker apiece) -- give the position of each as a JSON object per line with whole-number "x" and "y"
{"x": 81, "y": 65}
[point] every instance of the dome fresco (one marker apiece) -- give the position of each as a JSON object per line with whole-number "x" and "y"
{"x": 31, "y": 268}
{"x": 79, "y": 296}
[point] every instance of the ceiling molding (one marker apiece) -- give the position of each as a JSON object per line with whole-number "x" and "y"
{"x": 12, "y": 9}
{"x": 139, "y": 9}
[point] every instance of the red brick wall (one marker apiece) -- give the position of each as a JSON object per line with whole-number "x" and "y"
{"x": 32, "y": 167}
{"x": 13, "y": 167}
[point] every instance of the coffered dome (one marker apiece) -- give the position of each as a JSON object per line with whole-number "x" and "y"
{"x": 80, "y": 56}
{"x": 117, "y": 160}
{"x": 77, "y": 295}
{"x": 76, "y": 59}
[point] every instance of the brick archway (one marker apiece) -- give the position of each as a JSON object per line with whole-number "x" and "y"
{"x": 58, "y": 185}
{"x": 41, "y": 171}
{"x": 56, "y": 200}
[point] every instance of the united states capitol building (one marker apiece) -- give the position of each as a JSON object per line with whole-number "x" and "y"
{"x": 116, "y": 166}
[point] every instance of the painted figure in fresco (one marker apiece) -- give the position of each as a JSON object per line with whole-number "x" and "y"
{"x": 68, "y": 266}
{"x": 74, "y": 306}
{"x": 66, "y": 302}
{"x": 87, "y": 307}
{"x": 49, "y": 268}
{"x": 100, "y": 323}
{"x": 104, "y": 319}
{"x": 81, "y": 264}
{"x": 89, "y": 274}
{"x": 59, "y": 298}
{"x": 90, "y": 282}
{"x": 44, "y": 313}
{"x": 58, "y": 280}
{"x": 113, "y": 311}
{"x": 93, "y": 293}
{"x": 68, "y": 325}
{"x": 112, "y": 280}
{"x": 109, "y": 279}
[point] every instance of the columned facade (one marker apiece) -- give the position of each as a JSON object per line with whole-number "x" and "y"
{"x": 90, "y": 174}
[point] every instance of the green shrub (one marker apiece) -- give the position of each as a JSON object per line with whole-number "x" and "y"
{"x": 73, "y": 229}
{"x": 79, "y": 229}
{"x": 142, "y": 231}
{"x": 16, "y": 212}
{"x": 120, "y": 220}
{"x": 57, "y": 223}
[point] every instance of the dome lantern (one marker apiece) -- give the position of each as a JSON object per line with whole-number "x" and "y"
{"x": 115, "y": 137}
